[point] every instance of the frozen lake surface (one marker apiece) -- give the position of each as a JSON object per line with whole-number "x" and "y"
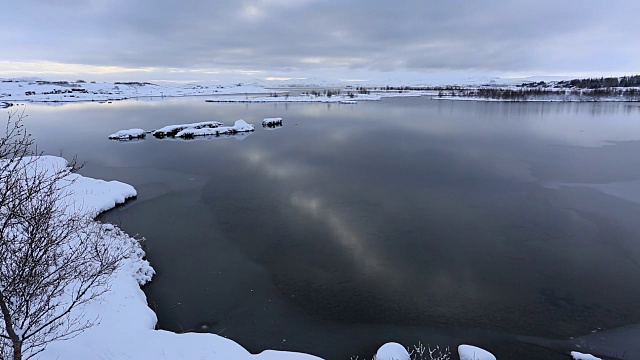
{"x": 402, "y": 220}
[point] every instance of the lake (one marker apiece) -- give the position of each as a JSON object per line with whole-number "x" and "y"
{"x": 406, "y": 219}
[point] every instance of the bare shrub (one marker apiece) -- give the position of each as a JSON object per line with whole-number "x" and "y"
{"x": 53, "y": 256}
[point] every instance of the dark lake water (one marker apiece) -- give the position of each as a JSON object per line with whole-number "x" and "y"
{"x": 401, "y": 220}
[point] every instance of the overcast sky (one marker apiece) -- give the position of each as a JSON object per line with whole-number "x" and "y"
{"x": 336, "y": 40}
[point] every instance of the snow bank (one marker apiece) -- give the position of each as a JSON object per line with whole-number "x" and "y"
{"x": 239, "y": 126}
{"x": 468, "y": 352}
{"x": 128, "y": 134}
{"x": 580, "y": 356}
{"x": 392, "y": 351}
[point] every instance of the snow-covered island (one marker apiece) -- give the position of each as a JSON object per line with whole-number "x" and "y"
{"x": 130, "y": 134}
{"x": 272, "y": 122}
{"x": 238, "y": 126}
{"x": 173, "y": 130}
{"x": 188, "y": 131}
{"x": 206, "y": 128}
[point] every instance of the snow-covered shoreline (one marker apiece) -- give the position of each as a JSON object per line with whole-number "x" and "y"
{"x": 531, "y": 100}
{"x": 40, "y": 91}
{"x": 126, "y": 325}
{"x": 308, "y": 98}
{"x": 26, "y": 90}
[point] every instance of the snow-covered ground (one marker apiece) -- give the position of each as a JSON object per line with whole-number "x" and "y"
{"x": 29, "y": 90}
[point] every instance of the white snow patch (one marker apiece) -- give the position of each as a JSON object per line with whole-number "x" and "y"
{"x": 580, "y": 356}
{"x": 468, "y": 352}
{"x": 392, "y": 351}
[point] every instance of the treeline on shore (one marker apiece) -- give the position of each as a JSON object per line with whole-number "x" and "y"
{"x": 629, "y": 94}
{"x": 598, "y": 83}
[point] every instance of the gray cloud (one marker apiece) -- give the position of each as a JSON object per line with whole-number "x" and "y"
{"x": 281, "y": 36}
